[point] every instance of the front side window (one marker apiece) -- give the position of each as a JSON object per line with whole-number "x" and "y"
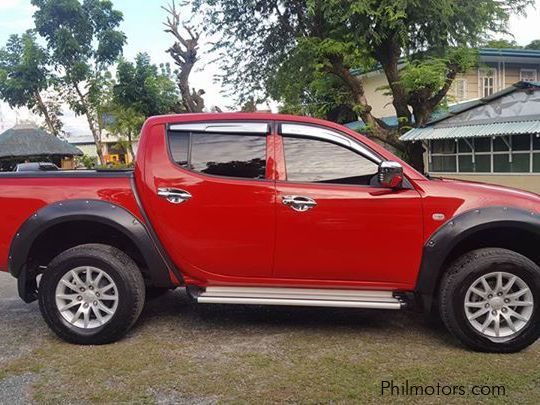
{"x": 316, "y": 161}
{"x": 229, "y": 155}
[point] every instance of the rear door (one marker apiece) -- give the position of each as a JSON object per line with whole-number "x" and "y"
{"x": 210, "y": 200}
{"x": 334, "y": 222}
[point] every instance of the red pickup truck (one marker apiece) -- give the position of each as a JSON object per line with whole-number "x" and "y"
{"x": 271, "y": 210}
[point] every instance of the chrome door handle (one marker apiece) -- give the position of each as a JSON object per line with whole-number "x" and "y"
{"x": 298, "y": 203}
{"x": 173, "y": 195}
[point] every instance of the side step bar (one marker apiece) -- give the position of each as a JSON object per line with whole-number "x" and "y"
{"x": 301, "y": 297}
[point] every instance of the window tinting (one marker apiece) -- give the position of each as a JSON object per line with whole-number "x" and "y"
{"x": 536, "y": 142}
{"x": 179, "y": 145}
{"x": 483, "y": 163}
{"x": 227, "y": 155}
{"x": 443, "y": 146}
{"x": 443, "y": 164}
{"x": 521, "y": 142}
{"x": 464, "y": 145}
{"x": 520, "y": 163}
{"x": 466, "y": 164}
{"x": 315, "y": 161}
{"x": 500, "y": 145}
{"x": 482, "y": 144}
{"x": 536, "y": 163}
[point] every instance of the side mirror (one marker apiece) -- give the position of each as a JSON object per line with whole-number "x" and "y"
{"x": 390, "y": 174}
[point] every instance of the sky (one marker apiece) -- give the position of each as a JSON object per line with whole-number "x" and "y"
{"x": 143, "y": 26}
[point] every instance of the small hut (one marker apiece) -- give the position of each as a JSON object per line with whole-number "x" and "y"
{"x": 28, "y": 143}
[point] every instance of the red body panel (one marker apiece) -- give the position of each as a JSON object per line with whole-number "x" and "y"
{"x": 226, "y": 229}
{"x": 236, "y": 231}
{"x": 21, "y": 197}
{"x": 354, "y": 234}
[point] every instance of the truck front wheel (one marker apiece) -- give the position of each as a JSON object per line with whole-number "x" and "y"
{"x": 91, "y": 294}
{"x": 490, "y": 298}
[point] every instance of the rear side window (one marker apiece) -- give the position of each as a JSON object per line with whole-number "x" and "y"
{"x": 228, "y": 155}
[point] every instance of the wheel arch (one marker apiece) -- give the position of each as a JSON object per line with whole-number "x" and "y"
{"x": 504, "y": 227}
{"x": 51, "y": 230}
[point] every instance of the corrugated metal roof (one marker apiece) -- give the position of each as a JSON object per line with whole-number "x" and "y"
{"x": 473, "y": 131}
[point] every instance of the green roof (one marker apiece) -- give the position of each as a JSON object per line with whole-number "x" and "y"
{"x": 511, "y": 111}
{"x": 32, "y": 141}
{"x": 474, "y": 131}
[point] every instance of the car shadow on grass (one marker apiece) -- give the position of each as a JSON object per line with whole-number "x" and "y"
{"x": 179, "y": 310}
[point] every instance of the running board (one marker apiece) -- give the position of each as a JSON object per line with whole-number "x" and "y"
{"x": 300, "y": 297}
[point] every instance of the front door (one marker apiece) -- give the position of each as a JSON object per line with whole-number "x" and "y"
{"x": 333, "y": 220}
{"x": 208, "y": 197}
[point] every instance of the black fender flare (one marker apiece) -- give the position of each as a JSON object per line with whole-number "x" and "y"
{"x": 90, "y": 210}
{"x": 448, "y": 236}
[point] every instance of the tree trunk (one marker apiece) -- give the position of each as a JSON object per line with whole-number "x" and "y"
{"x": 96, "y": 133}
{"x": 388, "y": 56}
{"x": 43, "y": 109}
{"x": 376, "y": 128}
{"x": 184, "y": 53}
{"x": 130, "y": 146}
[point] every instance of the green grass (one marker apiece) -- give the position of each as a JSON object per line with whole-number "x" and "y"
{"x": 270, "y": 355}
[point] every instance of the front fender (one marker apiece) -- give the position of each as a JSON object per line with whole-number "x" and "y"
{"x": 439, "y": 246}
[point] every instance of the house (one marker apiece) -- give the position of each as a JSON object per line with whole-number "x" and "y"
{"x": 497, "y": 69}
{"x": 114, "y": 150}
{"x": 27, "y": 142}
{"x": 495, "y": 139}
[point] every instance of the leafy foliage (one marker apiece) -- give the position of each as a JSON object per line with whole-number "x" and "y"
{"x": 26, "y": 79}
{"x": 141, "y": 89}
{"x": 535, "y": 44}
{"x": 145, "y": 88}
{"x": 501, "y": 44}
{"x": 23, "y": 70}
{"x": 83, "y": 40}
{"x": 308, "y": 53}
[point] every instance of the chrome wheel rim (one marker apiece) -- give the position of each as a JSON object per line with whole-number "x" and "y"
{"x": 87, "y": 297}
{"x": 499, "y": 305}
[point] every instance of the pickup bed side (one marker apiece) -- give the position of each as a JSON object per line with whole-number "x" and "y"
{"x": 47, "y": 222}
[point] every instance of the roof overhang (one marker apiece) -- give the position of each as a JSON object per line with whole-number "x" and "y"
{"x": 473, "y": 131}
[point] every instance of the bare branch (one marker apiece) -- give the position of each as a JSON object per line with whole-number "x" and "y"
{"x": 184, "y": 53}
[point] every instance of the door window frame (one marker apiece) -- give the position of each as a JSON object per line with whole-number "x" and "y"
{"x": 262, "y": 128}
{"x": 323, "y": 134}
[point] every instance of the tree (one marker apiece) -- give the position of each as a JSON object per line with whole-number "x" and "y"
{"x": 501, "y": 44}
{"x": 126, "y": 122}
{"x": 535, "y": 44}
{"x": 145, "y": 87}
{"x": 421, "y": 46}
{"x": 25, "y": 79}
{"x": 184, "y": 52}
{"x": 141, "y": 90}
{"x": 84, "y": 41}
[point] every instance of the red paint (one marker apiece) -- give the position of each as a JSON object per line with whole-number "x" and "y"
{"x": 236, "y": 231}
{"x": 21, "y": 197}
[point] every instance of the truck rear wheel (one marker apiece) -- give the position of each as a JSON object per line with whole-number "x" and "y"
{"x": 489, "y": 299}
{"x": 91, "y": 294}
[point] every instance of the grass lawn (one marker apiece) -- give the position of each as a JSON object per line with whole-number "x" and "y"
{"x": 182, "y": 353}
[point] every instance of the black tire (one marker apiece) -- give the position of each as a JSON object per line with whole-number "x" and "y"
{"x": 462, "y": 274}
{"x": 119, "y": 267}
